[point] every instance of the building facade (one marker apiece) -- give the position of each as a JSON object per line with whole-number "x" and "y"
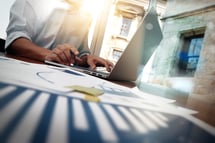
{"x": 185, "y": 57}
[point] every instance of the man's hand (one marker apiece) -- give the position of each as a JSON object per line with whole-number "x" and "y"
{"x": 94, "y": 61}
{"x": 64, "y": 54}
{"x": 67, "y": 55}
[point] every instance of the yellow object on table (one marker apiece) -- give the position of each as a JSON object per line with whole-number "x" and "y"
{"x": 91, "y": 93}
{"x": 92, "y": 98}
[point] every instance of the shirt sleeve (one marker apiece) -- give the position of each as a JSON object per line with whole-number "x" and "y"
{"x": 21, "y": 22}
{"x": 84, "y": 48}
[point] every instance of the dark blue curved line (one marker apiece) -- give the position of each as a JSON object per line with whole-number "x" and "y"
{"x": 39, "y": 75}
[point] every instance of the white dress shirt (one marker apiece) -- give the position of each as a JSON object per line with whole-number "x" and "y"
{"x": 48, "y": 23}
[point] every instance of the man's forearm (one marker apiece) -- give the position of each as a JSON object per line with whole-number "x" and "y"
{"x": 25, "y": 48}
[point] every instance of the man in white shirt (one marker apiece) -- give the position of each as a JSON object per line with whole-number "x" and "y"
{"x": 55, "y": 30}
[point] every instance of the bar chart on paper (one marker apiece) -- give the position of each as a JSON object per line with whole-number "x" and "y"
{"x": 30, "y": 115}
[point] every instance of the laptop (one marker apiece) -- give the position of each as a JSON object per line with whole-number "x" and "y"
{"x": 127, "y": 67}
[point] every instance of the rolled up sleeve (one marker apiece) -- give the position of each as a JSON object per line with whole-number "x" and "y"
{"x": 21, "y": 22}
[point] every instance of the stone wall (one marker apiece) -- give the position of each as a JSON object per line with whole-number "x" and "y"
{"x": 178, "y": 7}
{"x": 205, "y": 74}
{"x": 187, "y": 16}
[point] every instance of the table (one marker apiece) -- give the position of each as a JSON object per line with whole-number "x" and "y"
{"x": 204, "y": 107}
{"x": 31, "y": 114}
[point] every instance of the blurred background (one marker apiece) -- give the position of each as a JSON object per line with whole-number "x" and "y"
{"x": 182, "y": 65}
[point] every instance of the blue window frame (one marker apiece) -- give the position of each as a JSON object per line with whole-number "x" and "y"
{"x": 189, "y": 55}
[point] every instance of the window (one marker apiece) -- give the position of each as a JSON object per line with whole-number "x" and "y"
{"x": 194, "y": 52}
{"x": 116, "y": 54}
{"x": 126, "y": 24}
{"x": 189, "y": 54}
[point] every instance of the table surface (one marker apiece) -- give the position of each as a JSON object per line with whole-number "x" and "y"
{"x": 205, "y": 107}
{"x": 206, "y": 112}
